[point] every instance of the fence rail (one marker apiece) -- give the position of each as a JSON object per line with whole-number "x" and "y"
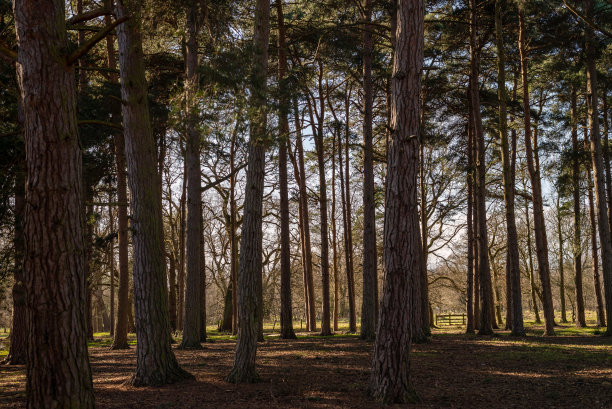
{"x": 450, "y": 319}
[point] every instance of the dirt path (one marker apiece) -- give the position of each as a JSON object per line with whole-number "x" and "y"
{"x": 451, "y": 371}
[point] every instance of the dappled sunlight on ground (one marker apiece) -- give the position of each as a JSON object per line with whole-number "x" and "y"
{"x": 452, "y": 370}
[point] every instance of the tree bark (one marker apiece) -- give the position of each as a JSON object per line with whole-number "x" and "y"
{"x": 181, "y": 268}
{"x": 286, "y": 314}
{"x": 598, "y": 167}
{"x": 123, "y": 306}
{"x": 576, "y": 243}
{"x": 370, "y": 296}
{"x": 203, "y": 334}
{"x": 233, "y": 235}
{"x": 484, "y": 271}
{"x": 470, "y": 325}
{"x": 334, "y": 233}
{"x": 346, "y": 220}
{"x": 57, "y": 364}
{"x": 111, "y": 263}
{"x": 155, "y": 361}
{"x": 250, "y": 268}
{"x": 536, "y": 189}
{"x": 192, "y": 311}
{"x": 514, "y": 316}
{"x": 402, "y": 254}
{"x": 320, "y": 150}
{"x": 601, "y": 318}
{"x": 309, "y": 300}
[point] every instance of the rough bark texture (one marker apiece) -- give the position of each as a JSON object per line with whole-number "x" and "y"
{"x": 561, "y": 267}
{"x": 484, "y": 271}
{"x": 576, "y": 242}
{"x": 192, "y": 319}
{"x": 598, "y": 167}
{"x": 57, "y": 367}
{"x": 286, "y": 315}
{"x": 370, "y": 296}
{"x": 541, "y": 240}
{"x": 250, "y": 268}
{"x": 402, "y": 249}
{"x": 155, "y": 361}
{"x": 181, "y": 268}
{"x": 513, "y": 273}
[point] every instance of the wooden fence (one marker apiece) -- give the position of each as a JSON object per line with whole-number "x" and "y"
{"x": 450, "y": 319}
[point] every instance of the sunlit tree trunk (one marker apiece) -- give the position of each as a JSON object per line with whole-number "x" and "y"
{"x": 536, "y": 189}
{"x": 402, "y": 254}
{"x": 370, "y": 281}
{"x": 598, "y": 166}
{"x": 155, "y": 361}
{"x": 192, "y": 311}
{"x": 250, "y": 267}
{"x": 57, "y": 364}
{"x": 514, "y": 316}
{"x": 601, "y": 318}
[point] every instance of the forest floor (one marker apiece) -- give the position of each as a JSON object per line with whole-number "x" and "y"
{"x": 453, "y": 370}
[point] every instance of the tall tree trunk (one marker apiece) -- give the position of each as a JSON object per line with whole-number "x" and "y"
{"x": 111, "y": 263}
{"x": 309, "y": 300}
{"x": 606, "y": 155}
{"x": 203, "y": 334}
{"x": 57, "y": 364}
{"x": 250, "y": 268}
{"x": 17, "y": 349}
{"x": 514, "y": 316}
{"x": 370, "y": 280}
{"x": 601, "y": 319}
{"x": 192, "y": 319}
{"x": 402, "y": 255}
{"x": 123, "y": 305}
{"x": 474, "y": 220}
{"x": 286, "y": 315}
{"x": 334, "y": 235}
{"x": 233, "y": 235}
{"x": 576, "y": 243}
{"x": 484, "y": 271}
{"x": 155, "y": 361}
{"x": 598, "y": 166}
{"x": 536, "y": 189}
{"x": 181, "y": 269}
{"x": 347, "y": 214}
{"x": 470, "y": 230}
{"x": 320, "y": 150}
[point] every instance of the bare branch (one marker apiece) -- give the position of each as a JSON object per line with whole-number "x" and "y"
{"x": 93, "y": 41}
